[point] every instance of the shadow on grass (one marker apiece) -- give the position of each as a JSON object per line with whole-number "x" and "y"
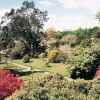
{"x": 30, "y": 61}
{"x": 20, "y": 73}
{"x": 2, "y": 62}
{"x": 48, "y": 66}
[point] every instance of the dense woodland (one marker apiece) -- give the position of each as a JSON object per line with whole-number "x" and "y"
{"x": 22, "y": 38}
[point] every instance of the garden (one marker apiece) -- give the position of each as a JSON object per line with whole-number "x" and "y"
{"x": 38, "y": 64}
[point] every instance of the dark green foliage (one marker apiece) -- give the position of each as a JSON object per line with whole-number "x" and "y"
{"x": 25, "y": 25}
{"x": 83, "y": 62}
{"x": 98, "y": 35}
{"x": 6, "y": 41}
{"x": 56, "y": 87}
{"x": 15, "y": 55}
{"x": 26, "y": 58}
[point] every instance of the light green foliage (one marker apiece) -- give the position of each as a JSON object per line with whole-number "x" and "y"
{"x": 86, "y": 43}
{"x": 26, "y": 58}
{"x": 94, "y": 93}
{"x": 56, "y": 56}
{"x": 56, "y": 87}
{"x": 42, "y": 55}
{"x": 83, "y": 61}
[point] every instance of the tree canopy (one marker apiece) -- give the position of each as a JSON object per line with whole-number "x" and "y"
{"x": 25, "y": 24}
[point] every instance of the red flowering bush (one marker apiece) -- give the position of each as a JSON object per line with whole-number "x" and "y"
{"x": 8, "y": 83}
{"x": 97, "y": 72}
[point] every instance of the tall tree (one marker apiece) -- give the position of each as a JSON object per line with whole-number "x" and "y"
{"x": 25, "y": 24}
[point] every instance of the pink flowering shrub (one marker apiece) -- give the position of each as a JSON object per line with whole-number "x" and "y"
{"x": 70, "y": 39}
{"x": 64, "y": 48}
{"x": 97, "y": 72}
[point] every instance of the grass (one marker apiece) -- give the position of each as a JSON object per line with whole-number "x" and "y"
{"x": 40, "y": 64}
{"x": 26, "y": 77}
{"x": 9, "y": 66}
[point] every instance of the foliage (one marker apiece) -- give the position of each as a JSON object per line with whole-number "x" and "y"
{"x": 6, "y": 40}
{"x": 15, "y": 55}
{"x": 26, "y": 58}
{"x": 25, "y": 24}
{"x": 86, "y": 43}
{"x": 70, "y": 39}
{"x": 52, "y": 55}
{"x": 97, "y": 74}
{"x": 42, "y": 55}
{"x": 56, "y": 87}
{"x": 64, "y": 48}
{"x": 62, "y": 56}
{"x": 98, "y": 35}
{"x": 83, "y": 61}
{"x": 81, "y": 34}
{"x": 94, "y": 93}
{"x": 8, "y": 84}
{"x": 56, "y": 56}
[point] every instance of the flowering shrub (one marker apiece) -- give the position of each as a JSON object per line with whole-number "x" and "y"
{"x": 52, "y": 55}
{"x": 64, "y": 48}
{"x": 70, "y": 39}
{"x": 97, "y": 72}
{"x": 56, "y": 56}
{"x": 8, "y": 83}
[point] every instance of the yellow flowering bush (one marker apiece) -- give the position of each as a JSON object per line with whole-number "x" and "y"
{"x": 52, "y": 54}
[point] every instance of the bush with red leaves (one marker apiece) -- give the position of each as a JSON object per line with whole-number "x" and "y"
{"x": 97, "y": 72}
{"x": 8, "y": 83}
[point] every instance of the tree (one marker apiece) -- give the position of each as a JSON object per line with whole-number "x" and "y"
{"x": 98, "y": 16}
{"x": 25, "y": 25}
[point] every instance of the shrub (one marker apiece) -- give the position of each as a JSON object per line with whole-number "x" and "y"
{"x": 8, "y": 84}
{"x": 42, "y": 55}
{"x": 64, "y": 48}
{"x": 62, "y": 56}
{"x": 26, "y": 58}
{"x": 97, "y": 74}
{"x": 56, "y": 87}
{"x": 56, "y": 56}
{"x": 94, "y": 93}
{"x": 52, "y": 55}
{"x": 86, "y": 43}
{"x": 83, "y": 62}
{"x": 15, "y": 55}
{"x": 70, "y": 39}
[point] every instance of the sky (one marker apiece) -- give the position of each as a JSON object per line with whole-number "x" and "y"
{"x": 63, "y": 14}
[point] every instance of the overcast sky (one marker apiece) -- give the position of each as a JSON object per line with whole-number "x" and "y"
{"x": 63, "y": 14}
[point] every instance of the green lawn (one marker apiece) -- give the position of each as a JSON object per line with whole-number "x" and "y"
{"x": 9, "y": 66}
{"x": 40, "y": 64}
